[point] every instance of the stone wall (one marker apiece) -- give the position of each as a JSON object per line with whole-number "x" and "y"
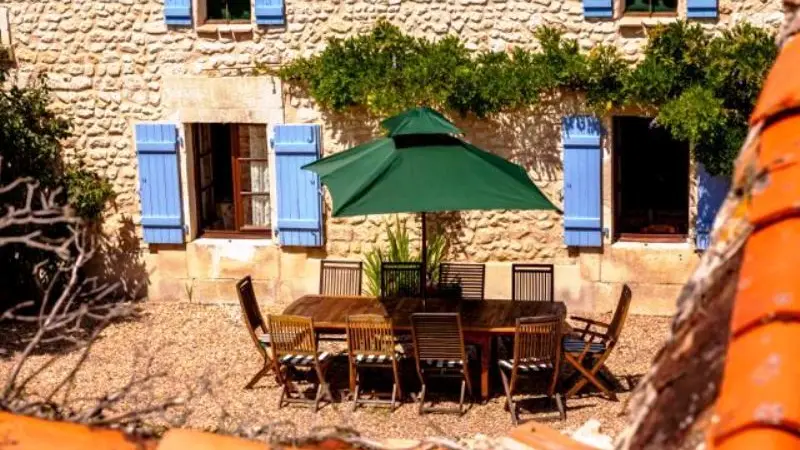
{"x": 112, "y": 63}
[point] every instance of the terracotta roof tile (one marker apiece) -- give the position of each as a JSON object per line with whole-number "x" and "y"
{"x": 782, "y": 88}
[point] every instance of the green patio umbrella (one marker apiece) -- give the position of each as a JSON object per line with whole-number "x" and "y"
{"x": 421, "y": 167}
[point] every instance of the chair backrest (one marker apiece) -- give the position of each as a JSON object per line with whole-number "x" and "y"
{"x": 620, "y": 314}
{"x": 401, "y": 279}
{"x": 538, "y": 339}
{"x": 292, "y": 335}
{"x": 532, "y": 282}
{"x": 253, "y": 320}
{"x": 370, "y": 334}
{"x": 470, "y": 277}
{"x": 340, "y": 277}
{"x": 437, "y": 336}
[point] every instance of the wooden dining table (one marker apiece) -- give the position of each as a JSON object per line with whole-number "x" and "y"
{"x": 481, "y": 320}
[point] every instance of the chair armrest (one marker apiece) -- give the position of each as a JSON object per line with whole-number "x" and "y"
{"x": 594, "y": 334}
{"x": 589, "y": 321}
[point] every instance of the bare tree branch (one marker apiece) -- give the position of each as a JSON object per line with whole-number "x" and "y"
{"x": 73, "y": 310}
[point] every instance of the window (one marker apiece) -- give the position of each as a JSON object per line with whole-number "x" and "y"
{"x": 232, "y": 176}
{"x": 228, "y": 10}
{"x": 651, "y": 6}
{"x": 651, "y": 182}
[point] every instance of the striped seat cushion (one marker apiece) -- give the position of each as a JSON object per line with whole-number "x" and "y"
{"x": 364, "y": 358}
{"x": 526, "y": 366}
{"x": 303, "y": 360}
{"x": 442, "y": 363}
{"x": 573, "y": 345}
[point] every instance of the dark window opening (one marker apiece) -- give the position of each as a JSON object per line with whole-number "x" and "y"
{"x": 651, "y": 182}
{"x": 228, "y": 10}
{"x": 651, "y": 6}
{"x": 232, "y": 178}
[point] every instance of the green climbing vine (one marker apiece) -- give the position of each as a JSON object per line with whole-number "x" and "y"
{"x": 703, "y": 87}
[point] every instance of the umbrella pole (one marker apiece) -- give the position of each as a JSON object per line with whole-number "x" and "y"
{"x": 424, "y": 258}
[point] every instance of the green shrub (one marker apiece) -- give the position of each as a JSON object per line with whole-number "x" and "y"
{"x": 707, "y": 85}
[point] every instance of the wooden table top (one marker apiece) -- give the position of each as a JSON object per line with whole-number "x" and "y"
{"x": 492, "y": 316}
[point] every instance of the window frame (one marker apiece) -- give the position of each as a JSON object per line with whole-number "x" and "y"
{"x": 619, "y": 236}
{"x": 206, "y": 20}
{"x": 651, "y": 13}
{"x": 241, "y": 229}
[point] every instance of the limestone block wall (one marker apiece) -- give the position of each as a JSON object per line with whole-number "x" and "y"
{"x": 112, "y": 63}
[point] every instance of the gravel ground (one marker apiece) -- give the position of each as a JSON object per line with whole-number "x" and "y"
{"x": 202, "y": 353}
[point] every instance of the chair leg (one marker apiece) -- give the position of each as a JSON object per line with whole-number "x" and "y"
{"x": 264, "y": 370}
{"x": 317, "y": 397}
{"x": 397, "y": 379}
{"x": 461, "y": 399}
{"x": 588, "y": 377}
{"x": 355, "y": 397}
{"x": 283, "y": 395}
{"x": 422, "y": 399}
{"x": 395, "y": 389}
{"x": 560, "y": 405}
{"x": 512, "y": 408}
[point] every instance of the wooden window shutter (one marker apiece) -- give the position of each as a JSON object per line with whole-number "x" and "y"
{"x": 582, "y": 181}
{"x": 159, "y": 186}
{"x": 269, "y": 12}
{"x": 598, "y": 8}
{"x": 299, "y": 191}
{"x": 711, "y": 193}
{"x": 701, "y": 9}
{"x": 178, "y": 12}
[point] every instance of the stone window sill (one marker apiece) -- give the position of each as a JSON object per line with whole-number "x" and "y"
{"x": 225, "y": 28}
{"x": 634, "y": 21}
{"x": 652, "y": 245}
{"x": 216, "y": 242}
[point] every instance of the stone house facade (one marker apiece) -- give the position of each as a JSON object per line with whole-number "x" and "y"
{"x": 136, "y": 75}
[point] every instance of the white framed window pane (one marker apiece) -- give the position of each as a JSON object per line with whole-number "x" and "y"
{"x": 256, "y": 209}
{"x": 254, "y": 176}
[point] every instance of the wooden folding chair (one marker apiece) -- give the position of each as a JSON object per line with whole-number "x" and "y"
{"x": 371, "y": 344}
{"x": 439, "y": 350}
{"x": 402, "y": 279}
{"x": 254, "y": 321}
{"x": 587, "y": 349}
{"x": 532, "y": 282}
{"x": 537, "y": 352}
{"x": 470, "y": 278}
{"x": 340, "y": 277}
{"x": 294, "y": 346}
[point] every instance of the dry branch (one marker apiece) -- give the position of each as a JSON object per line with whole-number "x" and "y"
{"x": 70, "y": 315}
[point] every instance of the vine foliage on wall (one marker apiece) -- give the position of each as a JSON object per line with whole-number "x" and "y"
{"x": 703, "y": 86}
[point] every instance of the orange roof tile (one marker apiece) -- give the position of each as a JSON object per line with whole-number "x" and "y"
{"x": 782, "y": 87}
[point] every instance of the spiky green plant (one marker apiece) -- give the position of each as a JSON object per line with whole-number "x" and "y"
{"x": 399, "y": 250}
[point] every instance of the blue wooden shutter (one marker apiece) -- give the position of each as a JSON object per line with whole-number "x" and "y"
{"x": 159, "y": 188}
{"x": 701, "y": 9}
{"x": 598, "y": 8}
{"x": 582, "y": 175}
{"x": 178, "y": 12}
{"x": 269, "y": 12}
{"x": 299, "y": 191}
{"x": 711, "y": 192}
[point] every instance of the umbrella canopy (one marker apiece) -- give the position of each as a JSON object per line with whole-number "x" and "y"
{"x": 421, "y": 120}
{"x": 424, "y": 173}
